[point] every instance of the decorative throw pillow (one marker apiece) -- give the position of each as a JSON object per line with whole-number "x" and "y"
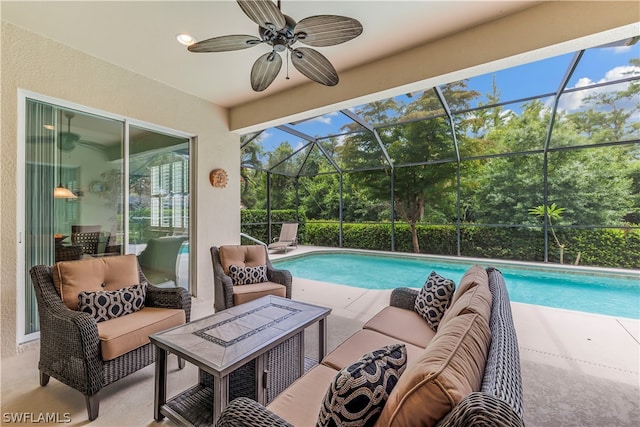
{"x": 105, "y": 305}
{"x": 434, "y": 298}
{"x": 358, "y": 392}
{"x": 248, "y": 275}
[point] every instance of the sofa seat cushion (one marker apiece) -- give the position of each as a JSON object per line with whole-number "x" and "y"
{"x": 246, "y": 293}
{"x": 473, "y": 296}
{"x": 358, "y": 393}
{"x": 450, "y": 368}
{"x": 299, "y": 403}
{"x": 363, "y": 341}
{"x": 404, "y": 325}
{"x": 123, "y": 334}
{"x": 93, "y": 275}
{"x": 242, "y": 256}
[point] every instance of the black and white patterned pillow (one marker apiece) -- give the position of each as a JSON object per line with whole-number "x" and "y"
{"x": 434, "y": 298}
{"x": 105, "y": 305}
{"x": 358, "y": 393}
{"x": 248, "y": 275}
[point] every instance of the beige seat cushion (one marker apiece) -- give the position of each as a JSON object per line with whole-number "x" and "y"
{"x": 405, "y": 325}
{"x": 246, "y": 293}
{"x": 450, "y": 368}
{"x": 299, "y": 403}
{"x": 364, "y": 341}
{"x": 473, "y": 296}
{"x": 123, "y": 334}
{"x": 242, "y": 256}
{"x": 92, "y": 275}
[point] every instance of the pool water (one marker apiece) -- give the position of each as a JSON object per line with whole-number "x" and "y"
{"x": 600, "y": 293}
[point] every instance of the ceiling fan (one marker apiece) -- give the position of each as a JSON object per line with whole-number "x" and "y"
{"x": 281, "y": 32}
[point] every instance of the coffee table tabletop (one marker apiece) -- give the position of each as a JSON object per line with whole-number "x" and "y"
{"x": 225, "y": 341}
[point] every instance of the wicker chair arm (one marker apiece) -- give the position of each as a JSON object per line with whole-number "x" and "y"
{"x": 222, "y": 284}
{"x": 480, "y": 409}
{"x": 280, "y": 276}
{"x": 169, "y": 298}
{"x": 403, "y": 298}
{"x": 244, "y": 412}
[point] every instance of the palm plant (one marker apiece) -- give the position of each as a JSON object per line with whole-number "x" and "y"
{"x": 553, "y": 213}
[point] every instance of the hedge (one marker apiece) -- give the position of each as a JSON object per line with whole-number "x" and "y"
{"x": 595, "y": 247}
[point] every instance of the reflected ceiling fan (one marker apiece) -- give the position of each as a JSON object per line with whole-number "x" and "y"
{"x": 68, "y": 140}
{"x": 281, "y": 32}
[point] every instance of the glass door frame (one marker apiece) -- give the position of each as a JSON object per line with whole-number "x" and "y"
{"x": 22, "y": 277}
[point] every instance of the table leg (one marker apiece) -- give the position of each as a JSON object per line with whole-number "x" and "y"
{"x": 220, "y": 395}
{"x": 322, "y": 336}
{"x": 160, "y": 394}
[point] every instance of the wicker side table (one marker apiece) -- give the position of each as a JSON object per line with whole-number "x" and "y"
{"x": 253, "y": 350}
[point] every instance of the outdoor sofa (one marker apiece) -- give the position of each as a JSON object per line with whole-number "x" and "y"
{"x": 467, "y": 372}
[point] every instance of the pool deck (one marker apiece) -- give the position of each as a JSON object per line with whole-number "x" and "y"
{"x": 586, "y": 344}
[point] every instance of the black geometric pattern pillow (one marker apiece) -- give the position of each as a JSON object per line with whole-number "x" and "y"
{"x": 434, "y": 298}
{"x": 248, "y": 275}
{"x": 105, "y": 305}
{"x": 358, "y": 392}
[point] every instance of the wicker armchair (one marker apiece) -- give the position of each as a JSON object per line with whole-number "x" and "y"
{"x": 226, "y": 294}
{"x": 70, "y": 350}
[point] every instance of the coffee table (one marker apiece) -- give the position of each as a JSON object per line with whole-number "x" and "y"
{"x": 254, "y": 349}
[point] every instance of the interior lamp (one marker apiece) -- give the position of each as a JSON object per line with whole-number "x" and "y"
{"x": 62, "y": 192}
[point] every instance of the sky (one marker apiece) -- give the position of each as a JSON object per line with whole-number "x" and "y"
{"x": 597, "y": 65}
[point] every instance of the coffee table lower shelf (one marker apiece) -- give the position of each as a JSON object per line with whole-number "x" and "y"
{"x": 192, "y": 407}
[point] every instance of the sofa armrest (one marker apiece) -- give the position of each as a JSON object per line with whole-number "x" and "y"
{"x": 169, "y": 298}
{"x": 480, "y": 409}
{"x": 245, "y": 412}
{"x": 403, "y": 298}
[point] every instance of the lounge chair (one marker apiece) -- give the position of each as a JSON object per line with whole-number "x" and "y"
{"x": 288, "y": 237}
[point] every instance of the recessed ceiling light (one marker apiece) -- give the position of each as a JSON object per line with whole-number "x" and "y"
{"x": 185, "y": 39}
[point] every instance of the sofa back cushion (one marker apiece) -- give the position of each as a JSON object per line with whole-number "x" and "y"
{"x": 450, "y": 368}
{"x": 93, "y": 275}
{"x": 472, "y": 296}
{"x": 242, "y": 256}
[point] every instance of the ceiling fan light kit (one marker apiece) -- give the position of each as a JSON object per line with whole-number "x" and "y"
{"x": 281, "y": 32}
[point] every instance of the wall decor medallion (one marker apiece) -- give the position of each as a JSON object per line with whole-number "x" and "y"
{"x": 218, "y": 178}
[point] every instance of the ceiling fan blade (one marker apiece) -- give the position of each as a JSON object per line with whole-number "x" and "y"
{"x": 224, "y": 43}
{"x": 265, "y": 70}
{"x": 314, "y": 65}
{"x": 327, "y": 30}
{"x": 264, "y": 13}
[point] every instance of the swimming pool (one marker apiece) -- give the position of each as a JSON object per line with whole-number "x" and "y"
{"x": 589, "y": 290}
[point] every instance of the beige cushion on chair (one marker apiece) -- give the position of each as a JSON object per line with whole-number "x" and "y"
{"x": 92, "y": 275}
{"x": 242, "y": 256}
{"x": 246, "y": 293}
{"x": 123, "y": 334}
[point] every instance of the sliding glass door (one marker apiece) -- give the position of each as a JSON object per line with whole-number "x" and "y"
{"x": 99, "y": 186}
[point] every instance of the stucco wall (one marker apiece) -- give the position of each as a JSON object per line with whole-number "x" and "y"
{"x": 39, "y": 65}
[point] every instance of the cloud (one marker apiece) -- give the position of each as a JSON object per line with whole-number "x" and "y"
{"x": 573, "y": 101}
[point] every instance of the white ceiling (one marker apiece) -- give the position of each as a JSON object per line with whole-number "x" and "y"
{"x": 141, "y": 35}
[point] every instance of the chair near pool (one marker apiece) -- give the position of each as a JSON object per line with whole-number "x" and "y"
{"x": 288, "y": 237}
